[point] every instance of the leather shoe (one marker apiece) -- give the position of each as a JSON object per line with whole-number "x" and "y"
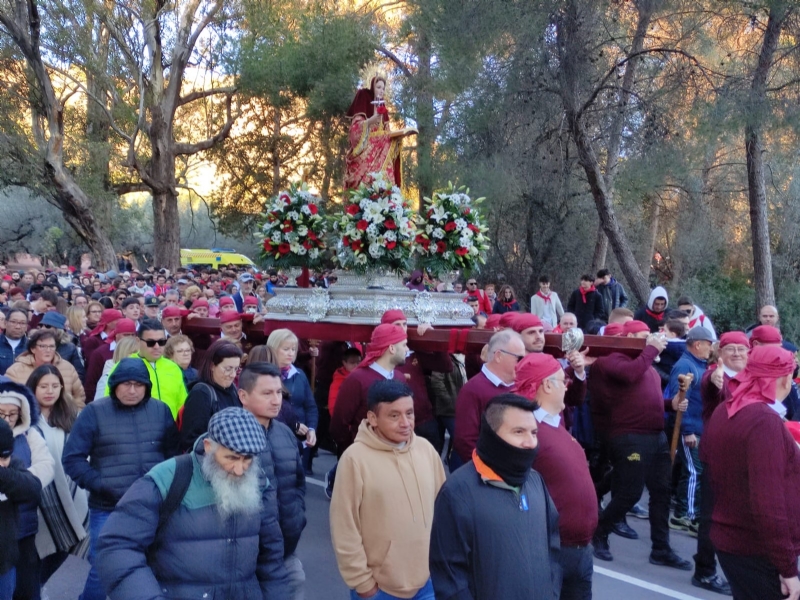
{"x": 600, "y": 547}
{"x": 670, "y": 559}
{"x": 622, "y": 529}
{"x": 713, "y": 583}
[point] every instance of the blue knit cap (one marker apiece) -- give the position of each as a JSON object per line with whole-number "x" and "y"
{"x": 237, "y": 430}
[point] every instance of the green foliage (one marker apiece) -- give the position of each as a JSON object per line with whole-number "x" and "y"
{"x": 727, "y": 298}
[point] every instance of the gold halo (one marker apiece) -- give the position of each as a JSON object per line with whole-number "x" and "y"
{"x": 371, "y": 70}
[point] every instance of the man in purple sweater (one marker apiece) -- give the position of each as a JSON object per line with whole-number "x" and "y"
{"x": 562, "y": 464}
{"x": 629, "y": 389}
{"x": 496, "y": 377}
{"x": 754, "y": 464}
{"x": 387, "y": 350}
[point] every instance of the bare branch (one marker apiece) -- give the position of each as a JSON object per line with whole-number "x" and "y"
{"x": 223, "y": 133}
{"x": 191, "y": 97}
{"x": 395, "y": 59}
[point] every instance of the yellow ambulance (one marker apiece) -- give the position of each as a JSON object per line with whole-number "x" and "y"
{"x": 216, "y": 257}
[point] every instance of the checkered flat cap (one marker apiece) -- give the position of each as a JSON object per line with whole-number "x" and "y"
{"x": 237, "y": 430}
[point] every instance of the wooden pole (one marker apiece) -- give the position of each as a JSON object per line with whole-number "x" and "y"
{"x": 676, "y": 431}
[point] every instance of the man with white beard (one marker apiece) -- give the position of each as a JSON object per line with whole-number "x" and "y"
{"x": 204, "y": 525}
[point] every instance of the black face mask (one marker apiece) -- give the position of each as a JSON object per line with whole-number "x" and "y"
{"x": 512, "y": 464}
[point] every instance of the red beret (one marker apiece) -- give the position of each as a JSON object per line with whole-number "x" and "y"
{"x": 390, "y": 316}
{"x": 507, "y": 319}
{"x": 634, "y": 327}
{"x": 766, "y": 334}
{"x": 173, "y": 311}
{"x": 613, "y": 329}
{"x": 200, "y": 303}
{"x": 734, "y": 337}
{"x": 226, "y": 300}
{"x": 228, "y": 316}
{"x": 493, "y": 321}
{"x": 523, "y": 321}
{"x": 124, "y": 326}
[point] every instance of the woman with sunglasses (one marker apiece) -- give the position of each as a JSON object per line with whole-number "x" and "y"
{"x": 64, "y": 511}
{"x": 213, "y": 391}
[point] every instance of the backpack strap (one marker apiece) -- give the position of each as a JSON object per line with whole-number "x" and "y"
{"x": 184, "y": 469}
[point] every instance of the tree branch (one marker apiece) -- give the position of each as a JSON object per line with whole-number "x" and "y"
{"x": 191, "y": 97}
{"x": 223, "y": 133}
{"x": 395, "y": 59}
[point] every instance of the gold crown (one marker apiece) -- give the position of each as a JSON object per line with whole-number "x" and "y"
{"x": 371, "y": 71}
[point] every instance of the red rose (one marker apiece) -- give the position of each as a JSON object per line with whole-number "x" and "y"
{"x": 346, "y": 241}
{"x": 287, "y": 227}
{"x": 267, "y": 245}
{"x": 420, "y": 238}
{"x": 307, "y": 245}
{"x": 374, "y": 197}
{"x": 389, "y": 224}
{"x": 362, "y": 225}
{"x": 312, "y": 235}
{"x": 425, "y": 244}
{"x": 284, "y": 248}
{"x": 313, "y": 208}
{"x": 441, "y": 247}
{"x": 474, "y": 228}
{"x": 390, "y": 245}
{"x": 462, "y": 251}
{"x": 353, "y": 209}
{"x": 451, "y": 226}
{"x": 357, "y": 245}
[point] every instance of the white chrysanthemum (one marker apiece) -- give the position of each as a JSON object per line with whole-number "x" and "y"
{"x": 305, "y": 210}
{"x": 314, "y": 253}
{"x": 438, "y": 233}
{"x": 293, "y": 215}
{"x": 375, "y": 250}
{"x": 461, "y": 224}
{"x": 447, "y": 255}
{"x": 302, "y": 231}
{"x": 372, "y": 230}
{"x": 390, "y": 236}
{"x": 277, "y": 237}
{"x": 465, "y": 242}
{"x": 467, "y": 233}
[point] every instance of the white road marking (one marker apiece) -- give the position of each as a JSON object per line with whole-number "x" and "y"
{"x": 644, "y": 584}
{"x": 313, "y": 481}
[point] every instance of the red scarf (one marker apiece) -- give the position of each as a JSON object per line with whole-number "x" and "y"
{"x": 656, "y": 316}
{"x": 547, "y": 298}
{"x": 585, "y": 292}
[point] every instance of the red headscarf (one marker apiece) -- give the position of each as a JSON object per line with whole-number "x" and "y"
{"x": 226, "y": 300}
{"x": 109, "y": 316}
{"x": 507, "y": 319}
{"x": 766, "y": 334}
{"x": 634, "y": 327}
{"x": 614, "y": 329}
{"x": 532, "y": 370}
{"x": 758, "y": 381}
{"x": 383, "y": 336}
{"x": 523, "y": 321}
{"x": 123, "y": 326}
{"x": 199, "y": 303}
{"x": 733, "y": 337}
{"x": 229, "y": 316}
{"x": 173, "y": 311}
{"x": 391, "y": 316}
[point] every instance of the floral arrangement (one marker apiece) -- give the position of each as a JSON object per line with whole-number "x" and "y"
{"x": 376, "y": 228}
{"x": 294, "y": 229}
{"x": 451, "y": 234}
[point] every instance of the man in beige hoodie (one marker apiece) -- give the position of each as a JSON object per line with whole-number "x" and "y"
{"x": 382, "y": 505}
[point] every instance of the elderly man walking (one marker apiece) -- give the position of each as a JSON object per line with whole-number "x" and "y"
{"x": 204, "y": 525}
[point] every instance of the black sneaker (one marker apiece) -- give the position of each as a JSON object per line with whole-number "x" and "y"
{"x": 328, "y": 486}
{"x": 639, "y": 512}
{"x": 670, "y": 559}
{"x": 600, "y": 547}
{"x": 622, "y": 529}
{"x": 713, "y": 583}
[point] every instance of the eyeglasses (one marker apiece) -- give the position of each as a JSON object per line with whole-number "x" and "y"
{"x": 472, "y": 283}
{"x": 9, "y": 416}
{"x": 229, "y": 370}
{"x": 40, "y": 347}
{"x": 519, "y": 357}
{"x": 183, "y": 351}
{"x": 131, "y": 384}
{"x": 151, "y": 343}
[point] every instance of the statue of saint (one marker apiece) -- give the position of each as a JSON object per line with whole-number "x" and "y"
{"x": 373, "y": 146}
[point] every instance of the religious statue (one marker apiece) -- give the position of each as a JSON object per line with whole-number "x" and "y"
{"x": 373, "y": 146}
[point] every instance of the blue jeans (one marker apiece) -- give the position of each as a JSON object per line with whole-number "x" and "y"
{"x": 93, "y": 590}
{"x": 426, "y": 593}
{"x": 8, "y": 582}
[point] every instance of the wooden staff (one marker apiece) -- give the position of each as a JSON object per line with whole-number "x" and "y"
{"x": 676, "y": 431}
{"x": 314, "y": 344}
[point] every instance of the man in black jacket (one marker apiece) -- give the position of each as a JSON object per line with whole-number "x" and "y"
{"x": 17, "y": 486}
{"x": 498, "y": 499}
{"x": 115, "y": 441}
{"x": 261, "y": 393}
{"x": 586, "y": 303}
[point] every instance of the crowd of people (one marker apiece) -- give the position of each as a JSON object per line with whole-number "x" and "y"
{"x": 174, "y": 459}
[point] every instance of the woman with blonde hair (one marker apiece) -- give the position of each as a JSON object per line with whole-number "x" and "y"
{"x": 283, "y": 344}
{"x": 125, "y": 348}
{"x": 190, "y": 294}
{"x": 76, "y": 322}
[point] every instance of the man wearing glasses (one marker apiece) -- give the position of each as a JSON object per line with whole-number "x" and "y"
{"x": 484, "y": 304}
{"x": 14, "y": 341}
{"x": 496, "y": 377}
{"x": 166, "y": 377}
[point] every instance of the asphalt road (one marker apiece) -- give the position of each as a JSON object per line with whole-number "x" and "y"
{"x": 629, "y": 576}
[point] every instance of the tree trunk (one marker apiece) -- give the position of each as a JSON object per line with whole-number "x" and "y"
{"x": 161, "y": 179}
{"x": 276, "y": 151}
{"x": 654, "y": 223}
{"x": 757, "y": 193}
{"x": 165, "y": 216}
{"x": 600, "y": 250}
{"x": 425, "y": 116}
